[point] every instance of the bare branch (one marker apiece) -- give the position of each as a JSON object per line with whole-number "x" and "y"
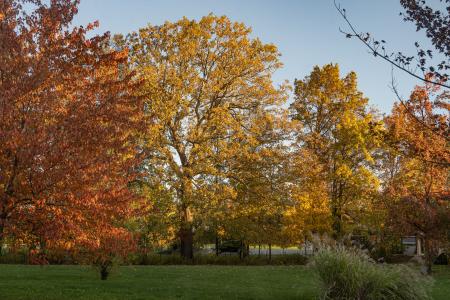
{"x": 365, "y": 39}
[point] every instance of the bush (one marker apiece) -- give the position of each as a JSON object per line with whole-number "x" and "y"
{"x": 252, "y": 260}
{"x": 59, "y": 257}
{"x": 17, "y": 257}
{"x": 398, "y": 259}
{"x": 350, "y": 274}
{"x": 442, "y": 259}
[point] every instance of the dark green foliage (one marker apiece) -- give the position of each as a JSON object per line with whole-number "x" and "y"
{"x": 442, "y": 259}
{"x": 253, "y": 260}
{"x": 20, "y": 257}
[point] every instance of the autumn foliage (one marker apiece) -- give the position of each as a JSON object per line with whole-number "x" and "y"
{"x": 419, "y": 142}
{"x": 66, "y": 151}
{"x": 175, "y": 136}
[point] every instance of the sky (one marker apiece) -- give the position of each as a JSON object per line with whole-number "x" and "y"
{"x": 306, "y": 33}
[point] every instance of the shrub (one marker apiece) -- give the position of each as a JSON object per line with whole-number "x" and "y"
{"x": 442, "y": 259}
{"x": 350, "y": 274}
{"x": 106, "y": 249}
{"x": 14, "y": 257}
{"x": 252, "y": 260}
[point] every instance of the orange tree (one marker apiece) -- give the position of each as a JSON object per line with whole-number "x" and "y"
{"x": 66, "y": 152}
{"x": 418, "y": 188}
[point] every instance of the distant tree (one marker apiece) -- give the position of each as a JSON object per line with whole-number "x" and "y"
{"x": 338, "y": 131}
{"x": 205, "y": 83}
{"x": 156, "y": 220}
{"x": 258, "y": 176}
{"x": 309, "y": 211}
{"x": 67, "y": 151}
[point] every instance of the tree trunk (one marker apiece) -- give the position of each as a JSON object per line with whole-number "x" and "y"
{"x": 336, "y": 206}
{"x": 187, "y": 242}
{"x": 3, "y": 215}
{"x": 270, "y": 252}
{"x": 104, "y": 272}
{"x": 245, "y": 250}
{"x": 430, "y": 254}
{"x": 1, "y": 236}
{"x": 429, "y": 267}
{"x": 2, "y": 230}
{"x": 241, "y": 250}
{"x": 186, "y": 228}
{"x": 337, "y": 222}
{"x": 217, "y": 245}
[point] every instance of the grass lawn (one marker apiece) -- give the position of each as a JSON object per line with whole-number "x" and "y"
{"x": 169, "y": 282}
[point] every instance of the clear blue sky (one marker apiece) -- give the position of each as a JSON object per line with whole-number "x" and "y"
{"x": 305, "y": 31}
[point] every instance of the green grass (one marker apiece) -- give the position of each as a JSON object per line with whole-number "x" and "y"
{"x": 169, "y": 282}
{"x": 441, "y": 288}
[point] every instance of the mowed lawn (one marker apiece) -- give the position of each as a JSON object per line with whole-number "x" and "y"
{"x": 170, "y": 282}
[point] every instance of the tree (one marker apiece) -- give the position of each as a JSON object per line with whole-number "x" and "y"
{"x": 258, "y": 177}
{"x": 340, "y": 133}
{"x": 418, "y": 187}
{"x": 419, "y": 126}
{"x": 309, "y": 212}
{"x": 67, "y": 149}
{"x": 205, "y": 83}
{"x": 105, "y": 248}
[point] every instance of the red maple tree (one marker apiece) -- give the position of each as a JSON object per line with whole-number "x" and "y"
{"x": 67, "y": 118}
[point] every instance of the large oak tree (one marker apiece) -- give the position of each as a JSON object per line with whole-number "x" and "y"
{"x": 206, "y": 82}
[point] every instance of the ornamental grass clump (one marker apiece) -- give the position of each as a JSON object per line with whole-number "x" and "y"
{"x": 350, "y": 274}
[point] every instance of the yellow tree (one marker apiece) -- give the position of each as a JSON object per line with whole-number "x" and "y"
{"x": 205, "y": 81}
{"x": 257, "y": 175}
{"x": 308, "y": 211}
{"x": 337, "y": 129}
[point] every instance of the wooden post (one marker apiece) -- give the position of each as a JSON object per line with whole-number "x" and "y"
{"x": 418, "y": 246}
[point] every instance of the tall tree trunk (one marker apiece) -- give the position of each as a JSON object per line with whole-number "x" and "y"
{"x": 186, "y": 228}
{"x": 186, "y": 234}
{"x": 187, "y": 242}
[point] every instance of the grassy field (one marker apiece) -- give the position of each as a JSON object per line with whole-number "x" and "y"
{"x": 169, "y": 282}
